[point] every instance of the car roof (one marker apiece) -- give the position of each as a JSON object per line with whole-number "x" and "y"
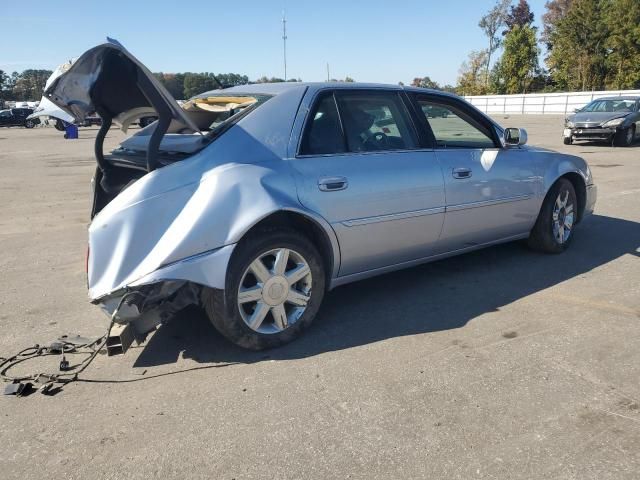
{"x": 282, "y": 87}
{"x": 628, "y": 97}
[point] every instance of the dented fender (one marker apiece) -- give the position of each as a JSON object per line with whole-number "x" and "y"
{"x": 156, "y": 231}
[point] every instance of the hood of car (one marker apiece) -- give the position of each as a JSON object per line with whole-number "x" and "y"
{"x": 109, "y": 80}
{"x": 595, "y": 118}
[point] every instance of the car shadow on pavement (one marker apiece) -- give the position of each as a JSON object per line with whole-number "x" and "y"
{"x": 443, "y": 295}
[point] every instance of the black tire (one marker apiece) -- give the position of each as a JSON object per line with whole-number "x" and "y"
{"x": 146, "y": 121}
{"x": 542, "y": 237}
{"x": 625, "y": 138}
{"x": 29, "y": 123}
{"x": 59, "y": 125}
{"x": 222, "y": 308}
{"x": 567, "y": 141}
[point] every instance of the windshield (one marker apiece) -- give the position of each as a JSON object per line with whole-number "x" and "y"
{"x": 610, "y": 106}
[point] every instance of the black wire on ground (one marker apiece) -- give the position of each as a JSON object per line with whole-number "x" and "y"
{"x": 92, "y": 349}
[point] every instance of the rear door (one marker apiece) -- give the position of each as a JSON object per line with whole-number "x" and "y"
{"x": 490, "y": 190}
{"x": 360, "y": 166}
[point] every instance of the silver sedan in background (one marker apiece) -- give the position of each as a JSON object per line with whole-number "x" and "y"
{"x": 255, "y": 201}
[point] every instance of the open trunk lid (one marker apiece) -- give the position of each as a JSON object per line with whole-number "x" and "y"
{"x": 109, "y": 80}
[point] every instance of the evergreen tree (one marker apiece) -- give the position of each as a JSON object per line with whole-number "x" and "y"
{"x": 519, "y": 63}
{"x": 577, "y": 60}
{"x": 623, "y": 44}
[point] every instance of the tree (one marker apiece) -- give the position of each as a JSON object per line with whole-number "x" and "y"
{"x": 471, "y": 79}
{"x": 265, "y": 79}
{"x": 623, "y": 44}
{"x": 232, "y": 79}
{"x": 195, "y": 83}
{"x": 556, "y": 10}
{"x": 519, "y": 15}
{"x": 4, "y": 85}
{"x": 425, "y": 82}
{"x": 578, "y": 57}
{"x": 490, "y": 24}
{"x": 29, "y": 84}
{"x": 519, "y": 63}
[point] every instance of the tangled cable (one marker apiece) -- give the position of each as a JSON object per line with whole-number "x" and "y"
{"x": 64, "y": 346}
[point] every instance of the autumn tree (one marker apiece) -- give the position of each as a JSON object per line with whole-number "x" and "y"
{"x": 556, "y": 11}
{"x": 520, "y": 15}
{"x": 425, "y": 82}
{"x": 471, "y": 79}
{"x": 491, "y": 24}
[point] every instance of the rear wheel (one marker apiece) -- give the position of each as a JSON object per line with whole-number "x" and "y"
{"x": 275, "y": 285}
{"x": 59, "y": 125}
{"x": 553, "y": 230}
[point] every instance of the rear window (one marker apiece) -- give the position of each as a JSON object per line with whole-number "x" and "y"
{"x": 212, "y": 112}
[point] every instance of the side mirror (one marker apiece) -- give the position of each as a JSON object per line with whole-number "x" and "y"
{"x": 577, "y": 110}
{"x": 515, "y": 136}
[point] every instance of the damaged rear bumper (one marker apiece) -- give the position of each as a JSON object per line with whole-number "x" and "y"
{"x": 155, "y": 298}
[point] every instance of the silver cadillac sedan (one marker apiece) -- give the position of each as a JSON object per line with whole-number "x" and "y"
{"x": 255, "y": 201}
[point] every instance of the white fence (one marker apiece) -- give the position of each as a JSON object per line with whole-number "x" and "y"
{"x": 541, "y": 103}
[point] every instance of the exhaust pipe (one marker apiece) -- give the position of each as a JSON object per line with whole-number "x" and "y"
{"x": 119, "y": 339}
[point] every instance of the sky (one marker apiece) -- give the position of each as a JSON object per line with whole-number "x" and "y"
{"x": 383, "y": 41}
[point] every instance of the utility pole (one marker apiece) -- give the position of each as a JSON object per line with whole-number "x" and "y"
{"x": 328, "y": 77}
{"x": 284, "y": 43}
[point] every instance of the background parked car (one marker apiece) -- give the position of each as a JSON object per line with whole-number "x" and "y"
{"x": 17, "y": 117}
{"x": 612, "y": 119}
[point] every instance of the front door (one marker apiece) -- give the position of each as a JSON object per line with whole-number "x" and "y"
{"x": 359, "y": 167}
{"x": 491, "y": 191}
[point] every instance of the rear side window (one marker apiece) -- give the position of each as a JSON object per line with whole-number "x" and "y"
{"x": 324, "y": 133}
{"x": 375, "y": 122}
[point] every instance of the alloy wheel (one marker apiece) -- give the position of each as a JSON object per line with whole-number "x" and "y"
{"x": 563, "y": 217}
{"x": 274, "y": 291}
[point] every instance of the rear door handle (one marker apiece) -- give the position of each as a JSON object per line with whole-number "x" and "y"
{"x": 461, "y": 172}
{"x": 332, "y": 184}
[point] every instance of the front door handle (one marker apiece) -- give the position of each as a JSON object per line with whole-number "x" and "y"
{"x": 461, "y": 173}
{"x": 332, "y": 184}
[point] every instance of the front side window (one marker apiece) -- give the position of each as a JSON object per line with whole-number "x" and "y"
{"x": 375, "y": 122}
{"x": 452, "y": 128}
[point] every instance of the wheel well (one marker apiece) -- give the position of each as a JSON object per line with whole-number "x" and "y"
{"x": 303, "y": 224}
{"x": 580, "y": 189}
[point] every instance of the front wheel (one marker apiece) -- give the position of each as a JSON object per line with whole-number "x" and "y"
{"x": 29, "y": 124}
{"x": 553, "y": 230}
{"x": 625, "y": 138}
{"x": 567, "y": 140}
{"x": 275, "y": 285}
